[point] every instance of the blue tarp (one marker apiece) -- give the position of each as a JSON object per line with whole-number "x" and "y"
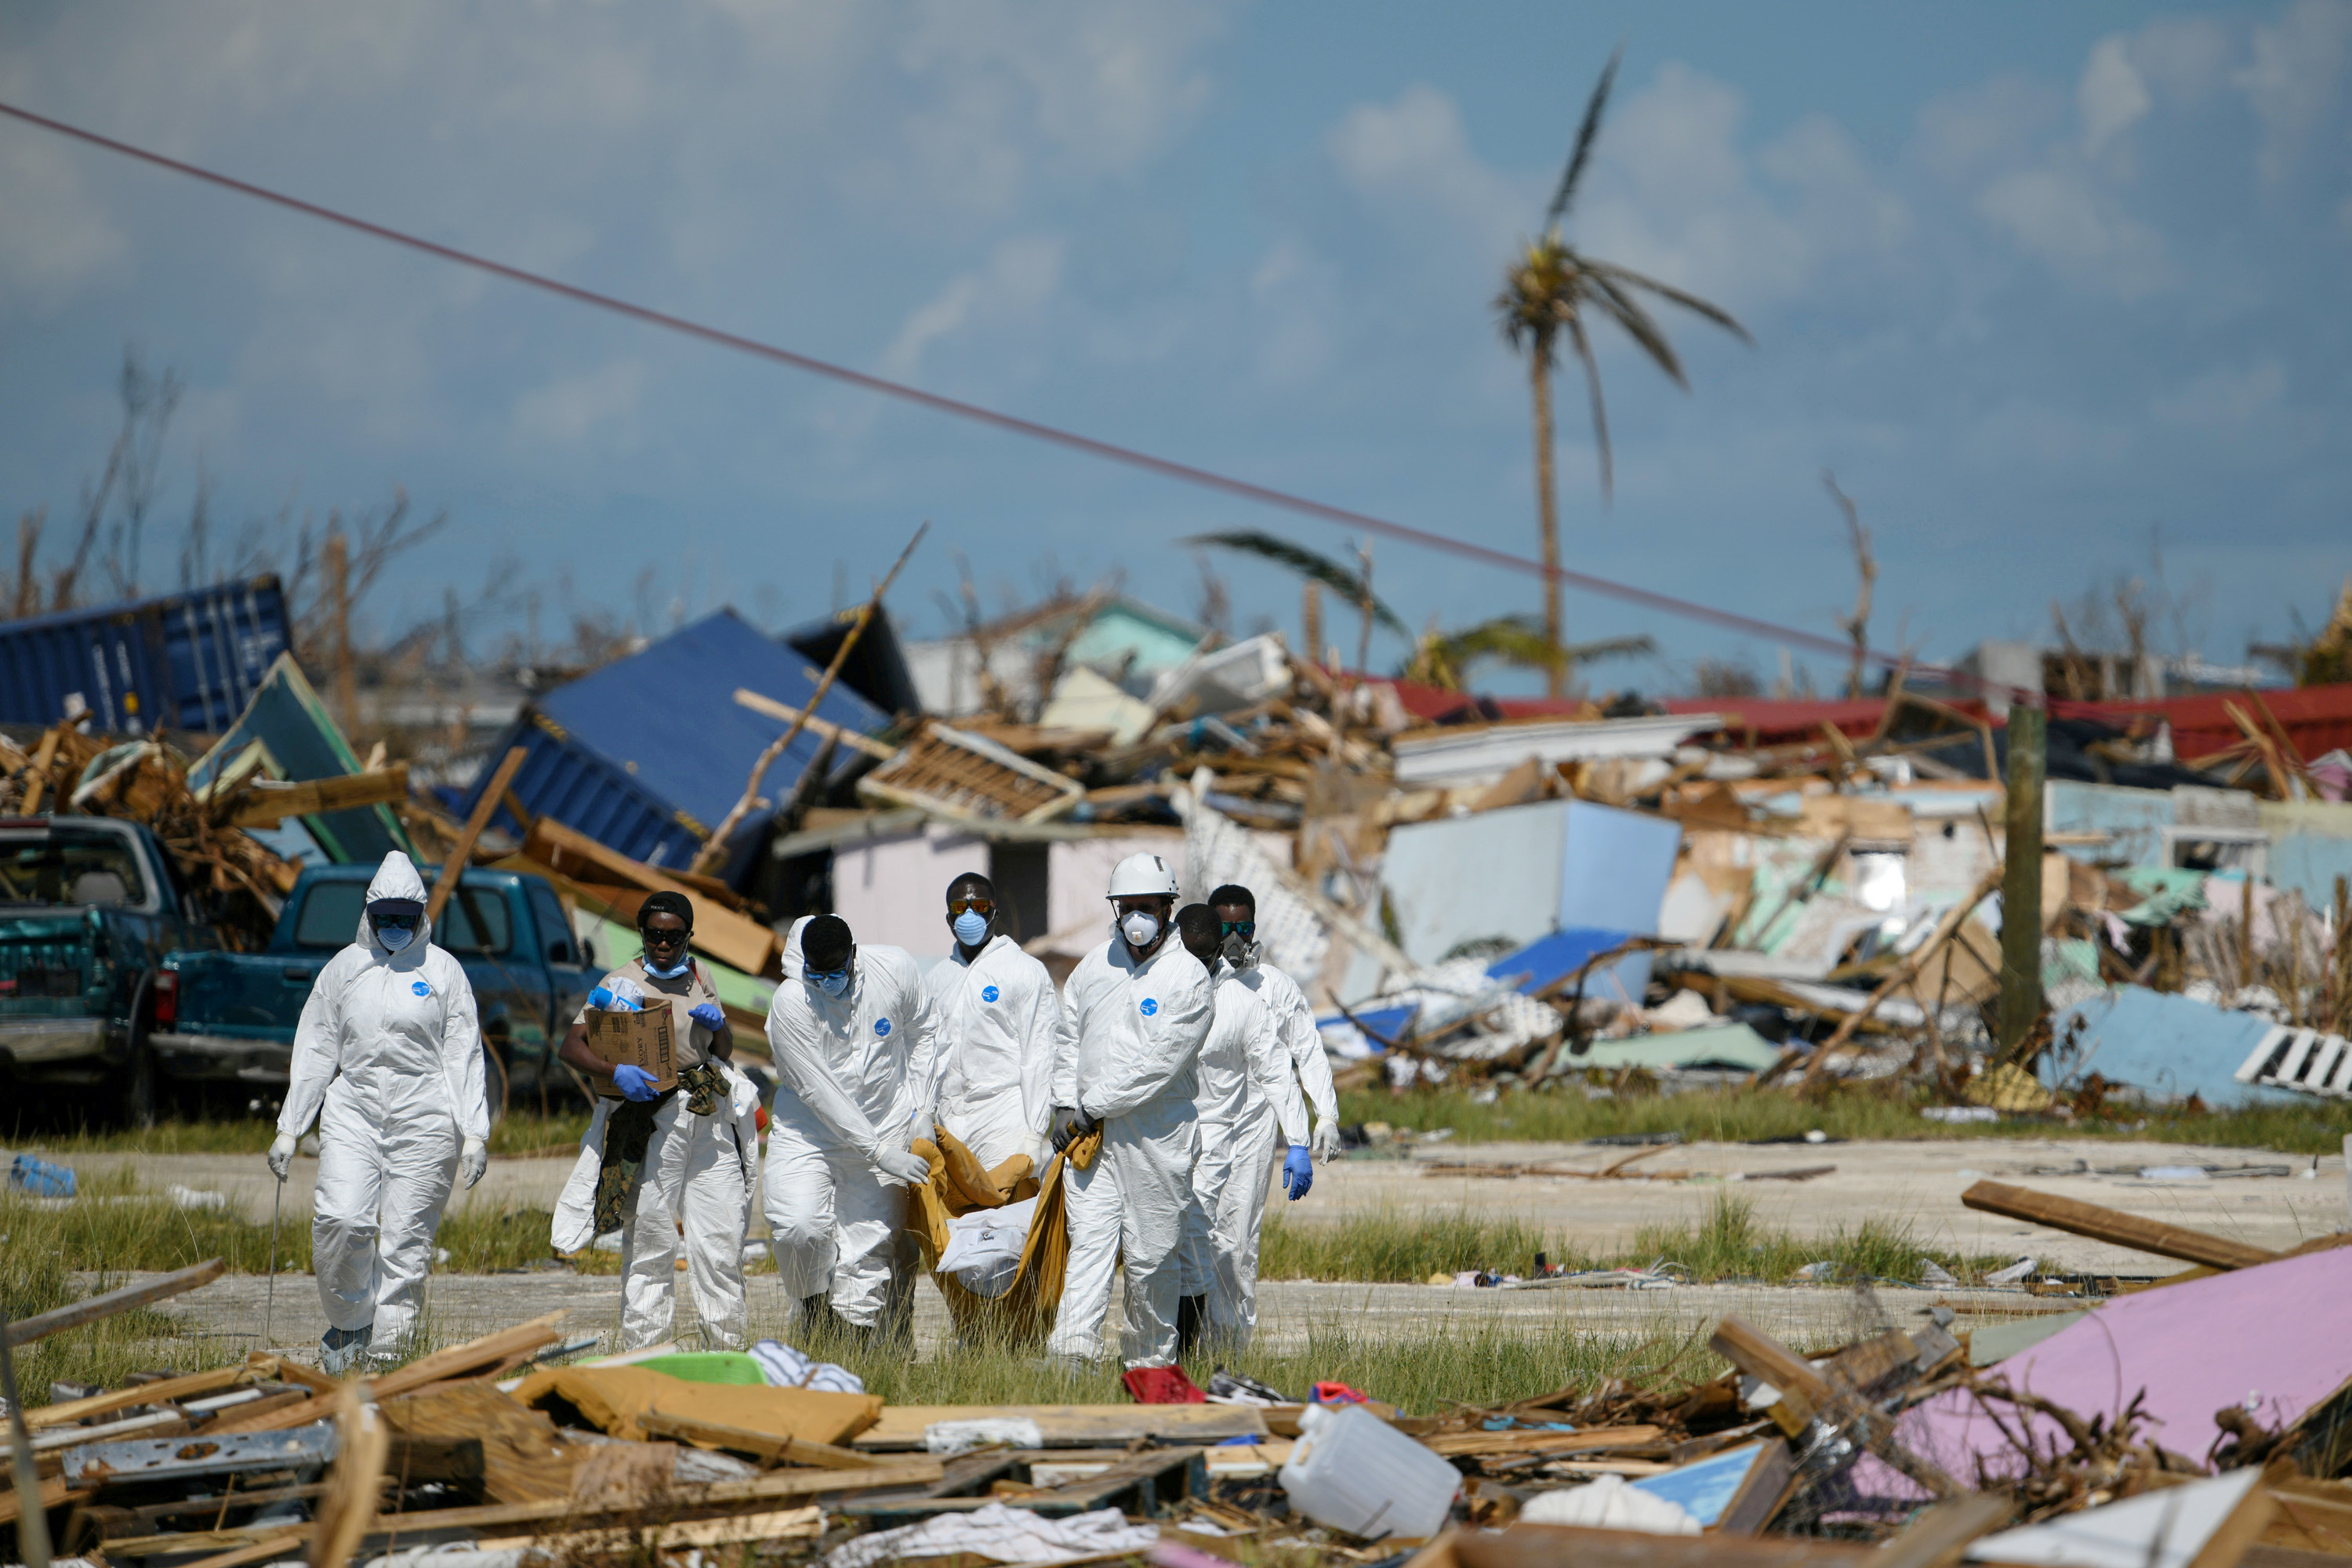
{"x": 2165, "y": 1046}
{"x": 648, "y": 754}
{"x": 1550, "y": 959}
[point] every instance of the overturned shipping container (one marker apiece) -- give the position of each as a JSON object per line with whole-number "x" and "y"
{"x": 185, "y": 661}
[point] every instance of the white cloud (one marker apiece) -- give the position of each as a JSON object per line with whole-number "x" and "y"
{"x": 55, "y": 237}
{"x": 2062, "y": 217}
{"x": 2112, "y": 97}
{"x": 1414, "y": 149}
{"x": 602, "y": 402}
{"x": 2298, "y": 63}
{"x": 1020, "y": 278}
{"x": 2225, "y": 398}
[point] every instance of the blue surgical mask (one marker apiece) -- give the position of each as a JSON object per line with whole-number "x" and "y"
{"x": 833, "y": 984}
{"x": 971, "y": 927}
{"x": 394, "y": 938}
{"x": 672, "y": 972}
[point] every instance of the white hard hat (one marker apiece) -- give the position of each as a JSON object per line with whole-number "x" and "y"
{"x": 1143, "y": 876}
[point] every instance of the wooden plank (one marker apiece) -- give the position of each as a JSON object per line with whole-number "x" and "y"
{"x": 1550, "y": 1545}
{"x": 735, "y": 939}
{"x": 267, "y": 803}
{"x": 249, "y": 1417}
{"x": 1937, "y": 1538}
{"x": 55, "y": 1494}
{"x": 1456, "y": 1444}
{"x": 488, "y": 1350}
{"x": 1813, "y": 1396}
{"x": 767, "y": 1446}
{"x": 739, "y": 1530}
{"x": 25, "y": 1330}
{"x": 194, "y": 1384}
{"x": 1074, "y": 1425}
{"x": 261, "y": 1550}
{"x": 462, "y": 852}
{"x": 825, "y": 728}
{"x": 2112, "y": 1225}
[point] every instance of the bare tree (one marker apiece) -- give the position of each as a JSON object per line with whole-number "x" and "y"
{"x": 1856, "y": 627}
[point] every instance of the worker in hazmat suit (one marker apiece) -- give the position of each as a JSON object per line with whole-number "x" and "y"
{"x": 998, "y": 1023}
{"x": 850, "y": 1032}
{"x": 388, "y": 1058}
{"x": 1248, "y": 1096}
{"x": 1236, "y": 908}
{"x": 675, "y": 1157}
{"x": 1139, "y": 1007}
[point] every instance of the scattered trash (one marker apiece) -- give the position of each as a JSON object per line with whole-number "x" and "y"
{"x": 2016, "y": 1273}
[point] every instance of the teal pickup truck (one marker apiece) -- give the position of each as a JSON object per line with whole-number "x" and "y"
{"x": 90, "y": 907}
{"x": 231, "y": 1016}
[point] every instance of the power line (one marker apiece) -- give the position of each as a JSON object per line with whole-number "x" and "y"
{"x": 1187, "y": 473}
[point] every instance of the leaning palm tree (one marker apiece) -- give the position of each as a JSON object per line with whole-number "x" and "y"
{"x": 1444, "y": 659}
{"x": 1547, "y": 291}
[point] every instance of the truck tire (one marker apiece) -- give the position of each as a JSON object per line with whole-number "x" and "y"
{"x": 494, "y": 1082}
{"x": 136, "y": 1095}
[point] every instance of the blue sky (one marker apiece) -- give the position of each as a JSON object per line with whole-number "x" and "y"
{"x": 2042, "y": 284}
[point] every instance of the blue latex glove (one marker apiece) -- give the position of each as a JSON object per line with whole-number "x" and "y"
{"x": 1298, "y": 1171}
{"x": 709, "y": 1015}
{"x": 635, "y": 1083}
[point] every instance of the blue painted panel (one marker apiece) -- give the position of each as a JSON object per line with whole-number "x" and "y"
{"x": 1613, "y": 873}
{"x": 2133, "y": 819}
{"x": 1493, "y": 873}
{"x": 2163, "y": 1044}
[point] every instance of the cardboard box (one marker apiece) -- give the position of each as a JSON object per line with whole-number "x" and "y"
{"x": 644, "y": 1039}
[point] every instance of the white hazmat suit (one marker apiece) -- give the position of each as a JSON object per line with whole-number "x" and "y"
{"x": 852, "y": 1073}
{"x": 999, "y": 1026}
{"x": 1136, "y": 1033}
{"x": 1248, "y": 1096}
{"x": 388, "y": 1057}
{"x": 1294, "y": 1020}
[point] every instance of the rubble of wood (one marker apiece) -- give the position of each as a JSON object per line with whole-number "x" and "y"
{"x": 505, "y": 1450}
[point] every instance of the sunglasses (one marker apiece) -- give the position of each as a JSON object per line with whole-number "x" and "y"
{"x": 819, "y": 976}
{"x": 981, "y": 907}
{"x": 1237, "y": 928}
{"x": 665, "y": 939}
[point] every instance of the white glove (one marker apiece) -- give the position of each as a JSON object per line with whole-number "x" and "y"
{"x": 281, "y": 1155}
{"x": 904, "y": 1166}
{"x": 473, "y": 1159}
{"x": 925, "y": 1123}
{"x": 1325, "y": 1142}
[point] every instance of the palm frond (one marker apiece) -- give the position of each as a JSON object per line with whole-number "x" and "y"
{"x": 1688, "y": 302}
{"x": 1586, "y": 135}
{"x": 1628, "y": 313}
{"x": 1350, "y": 585}
{"x": 1600, "y": 410}
{"x": 1518, "y": 640}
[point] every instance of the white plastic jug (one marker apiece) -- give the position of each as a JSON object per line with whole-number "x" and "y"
{"x": 1353, "y": 1471}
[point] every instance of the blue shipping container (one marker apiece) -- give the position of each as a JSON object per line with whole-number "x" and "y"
{"x": 647, "y": 755}
{"x": 186, "y": 661}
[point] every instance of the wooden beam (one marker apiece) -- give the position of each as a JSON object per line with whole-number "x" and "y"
{"x": 770, "y": 1447}
{"x": 487, "y": 1351}
{"x": 485, "y": 807}
{"x": 1937, "y": 1538}
{"x": 25, "y": 1330}
{"x": 196, "y": 1383}
{"x": 1815, "y": 1398}
{"x": 266, "y": 802}
{"x": 2113, "y": 1225}
{"x": 825, "y": 728}
{"x": 735, "y": 939}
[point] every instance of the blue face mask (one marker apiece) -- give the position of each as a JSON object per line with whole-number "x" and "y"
{"x": 394, "y": 938}
{"x": 970, "y": 928}
{"x": 833, "y": 984}
{"x": 672, "y": 972}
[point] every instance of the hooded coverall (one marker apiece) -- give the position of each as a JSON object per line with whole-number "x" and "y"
{"x": 852, "y": 1071}
{"x": 388, "y": 1057}
{"x": 1247, "y": 1093}
{"x": 999, "y": 1026}
{"x": 1137, "y": 1030}
{"x": 1294, "y": 1020}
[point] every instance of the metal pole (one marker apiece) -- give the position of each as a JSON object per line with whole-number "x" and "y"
{"x": 32, "y": 1519}
{"x": 2021, "y": 888}
{"x": 269, "y": 1313}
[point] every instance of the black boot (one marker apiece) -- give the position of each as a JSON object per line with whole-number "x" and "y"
{"x": 1191, "y": 1316}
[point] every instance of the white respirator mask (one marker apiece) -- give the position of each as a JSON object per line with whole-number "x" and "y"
{"x": 1139, "y": 927}
{"x": 394, "y": 938}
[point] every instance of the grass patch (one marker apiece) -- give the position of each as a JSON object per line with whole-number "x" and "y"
{"x": 1727, "y": 1242}
{"x": 115, "y": 1227}
{"x": 518, "y": 1133}
{"x": 1425, "y": 1375}
{"x": 1740, "y": 1116}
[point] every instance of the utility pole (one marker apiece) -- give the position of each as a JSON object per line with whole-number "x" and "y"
{"x": 2020, "y": 887}
{"x": 339, "y": 601}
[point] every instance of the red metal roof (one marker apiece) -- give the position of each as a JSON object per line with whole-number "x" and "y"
{"x": 2317, "y": 718}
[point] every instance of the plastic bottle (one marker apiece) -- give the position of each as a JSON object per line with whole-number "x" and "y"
{"x": 1354, "y": 1472}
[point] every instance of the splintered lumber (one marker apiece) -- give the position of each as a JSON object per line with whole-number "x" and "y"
{"x": 1074, "y": 1425}
{"x": 824, "y": 728}
{"x": 362, "y": 1440}
{"x": 194, "y": 1386}
{"x": 768, "y": 1447}
{"x": 259, "y": 1551}
{"x": 1550, "y": 1545}
{"x": 1485, "y": 1444}
{"x": 267, "y": 803}
{"x": 1938, "y": 1537}
{"x": 782, "y": 1524}
{"x": 25, "y": 1330}
{"x": 734, "y": 940}
{"x": 2113, "y": 1225}
{"x": 520, "y": 1456}
{"x": 462, "y": 852}
{"x": 1761, "y": 1356}
{"x": 473, "y": 1355}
